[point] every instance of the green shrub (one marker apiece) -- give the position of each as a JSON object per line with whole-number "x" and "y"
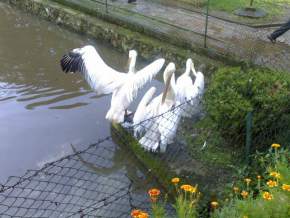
{"x": 232, "y": 93}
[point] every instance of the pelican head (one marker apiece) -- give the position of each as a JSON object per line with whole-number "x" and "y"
{"x": 132, "y": 61}
{"x": 169, "y": 70}
{"x": 169, "y": 80}
{"x": 197, "y": 74}
{"x": 193, "y": 70}
{"x": 199, "y": 79}
{"x": 132, "y": 53}
{"x": 189, "y": 64}
{"x": 85, "y": 49}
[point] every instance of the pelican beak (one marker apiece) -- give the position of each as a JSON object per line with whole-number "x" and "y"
{"x": 128, "y": 62}
{"x": 167, "y": 84}
{"x": 193, "y": 69}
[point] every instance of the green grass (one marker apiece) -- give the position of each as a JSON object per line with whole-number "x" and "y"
{"x": 270, "y": 6}
{"x": 217, "y": 151}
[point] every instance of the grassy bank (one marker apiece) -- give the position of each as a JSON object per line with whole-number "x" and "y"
{"x": 270, "y": 6}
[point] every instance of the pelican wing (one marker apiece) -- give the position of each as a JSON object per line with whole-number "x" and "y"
{"x": 101, "y": 77}
{"x": 168, "y": 126}
{"x": 142, "y": 77}
{"x": 143, "y": 112}
{"x": 147, "y": 73}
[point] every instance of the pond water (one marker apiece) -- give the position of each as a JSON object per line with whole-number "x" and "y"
{"x": 42, "y": 110}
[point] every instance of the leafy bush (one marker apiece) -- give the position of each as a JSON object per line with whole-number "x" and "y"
{"x": 232, "y": 93}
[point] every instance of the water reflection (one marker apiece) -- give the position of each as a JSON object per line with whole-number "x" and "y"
{"x": 43, "y": 110}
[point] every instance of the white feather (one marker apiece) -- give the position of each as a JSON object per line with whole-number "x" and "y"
{"x": 124, "y": 95}
{"x": 102, "y": 78}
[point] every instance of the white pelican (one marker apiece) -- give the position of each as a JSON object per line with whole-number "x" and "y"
{"x": 187, "y": 92}
{"x": 105, "y": 80}
{"x": 184, "y": 84}
{"x": 198, "y": 91}
{"x": 149, "y": 108}
{"x": 161, "y": 129}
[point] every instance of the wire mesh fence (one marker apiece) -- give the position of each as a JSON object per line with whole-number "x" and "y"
{"x": 85, "y": 184}
{"x": 91, "y": 183}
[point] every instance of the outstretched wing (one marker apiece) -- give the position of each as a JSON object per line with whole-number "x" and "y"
{"x": 101, "y": 77}
{"x": 142, "y": 77}
{"x": 147, "y": 73}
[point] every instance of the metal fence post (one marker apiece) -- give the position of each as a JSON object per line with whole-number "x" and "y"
{"x": 251, "y": 3}
{"x": 249, "y": 124}
{"x": 206, "y": 22}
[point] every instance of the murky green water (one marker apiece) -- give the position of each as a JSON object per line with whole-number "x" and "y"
{"x": 43, "y": 110}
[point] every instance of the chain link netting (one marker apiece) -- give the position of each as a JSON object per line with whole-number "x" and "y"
{"x": 92, "y": 183}
{"x": 89, "y": 183}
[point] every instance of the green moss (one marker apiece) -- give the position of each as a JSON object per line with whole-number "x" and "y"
{"x": 155, "y": 166}
{"x": 210, "y": 169}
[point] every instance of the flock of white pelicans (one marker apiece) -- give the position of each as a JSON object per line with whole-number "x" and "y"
{"x": 180, "y": 98}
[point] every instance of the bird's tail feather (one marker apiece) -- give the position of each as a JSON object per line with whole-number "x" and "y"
{"x": 149, "y": 145}
{"x": 150, "y": 141}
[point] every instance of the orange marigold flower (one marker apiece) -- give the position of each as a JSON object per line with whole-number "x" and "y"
{"x": 154, "y": 193}
{"x": 286, "y": 187}
{"x": 236, "y": 189}
{"x": 143, "y": 215}
{"x": 244, "y": 194}
{"x": 214, "y": 204}
{"x": 248, "y": 180}
{"x": 135, "y": 213}
{"x": 187, "y": 188}
{"x": 275, "y": 174}
{"x": 267, "y": 196}
{"x": 175, "y": 180}
{"x": 272, "y": 183}
{"x": 275, "y": 145}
